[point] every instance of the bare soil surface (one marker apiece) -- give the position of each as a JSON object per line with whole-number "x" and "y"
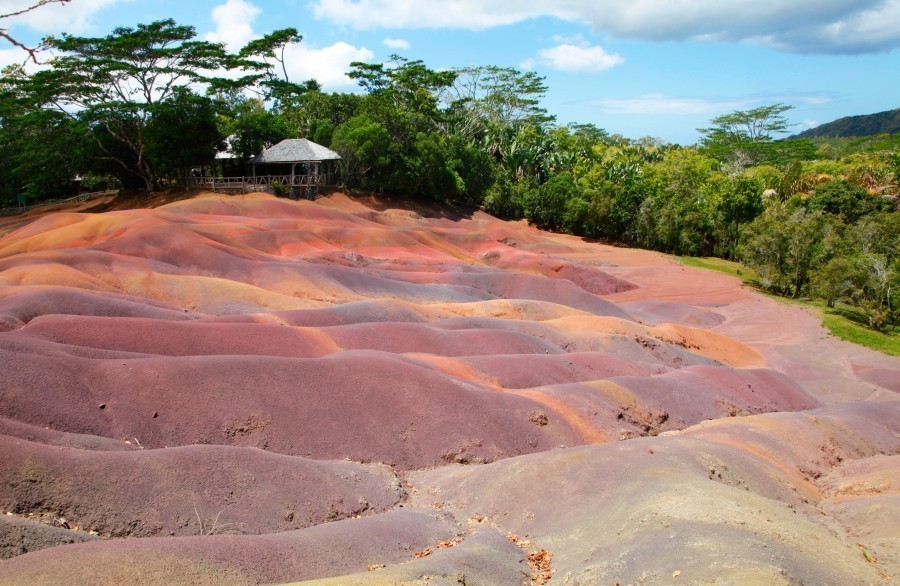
{"x": 245, "y": 389}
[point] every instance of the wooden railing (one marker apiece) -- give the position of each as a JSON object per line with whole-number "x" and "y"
{"x": 16, "y": 210}
{"x": 260, "y": 183}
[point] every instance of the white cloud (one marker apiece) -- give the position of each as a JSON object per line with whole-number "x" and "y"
{"x": 660, "y": 104}
{"x": 809, "y": 123}
{"x": 576, "y": 39}
{"x": 73, "y": 17}
{"x": 396, "y": 43}
{"x": 581, "y": 57}
{"x": 328, "y": 65}
{"x": 13, "y": 56}
{"x": 396, "y": 14}
{"x": 809, "y": 99}
{"x": 233, "y": 24}
{"x": 871, "y": 29}
{"x": 806, "y": 26}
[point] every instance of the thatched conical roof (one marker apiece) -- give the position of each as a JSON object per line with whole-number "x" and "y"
{"x": 295, "y": 150}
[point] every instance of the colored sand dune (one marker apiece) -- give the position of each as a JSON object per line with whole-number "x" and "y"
{"x": 269, "y": 391}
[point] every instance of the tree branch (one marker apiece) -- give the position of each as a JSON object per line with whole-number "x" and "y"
{"x": 32, "y": 51}
{"x": 38, "y": 4}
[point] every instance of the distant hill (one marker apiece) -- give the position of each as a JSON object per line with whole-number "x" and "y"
{"x": 866, "y": 125}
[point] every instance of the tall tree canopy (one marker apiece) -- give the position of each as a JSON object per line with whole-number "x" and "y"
{"x": 747, "y": 126}
{"x": 745, "y": 137}
{"x": 277, "y": 85}
{"x": 489, "y": 99}
{"x": 115, "y": 83}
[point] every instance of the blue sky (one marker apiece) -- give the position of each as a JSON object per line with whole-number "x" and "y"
{"x": 638, "y": 67}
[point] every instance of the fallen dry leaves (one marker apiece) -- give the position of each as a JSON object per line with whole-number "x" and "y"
{"x": 540, "y": 566}
{"x": 449, "y": 543}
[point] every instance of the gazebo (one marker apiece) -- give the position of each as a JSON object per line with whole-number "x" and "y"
{"x": 296, "y": 167}
{"x": 296, "y": 162}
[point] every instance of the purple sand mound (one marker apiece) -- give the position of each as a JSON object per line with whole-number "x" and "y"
{"x": 365, "y": 405}
{"x": 21, "y": 535}
{"x": 189, "y": 491}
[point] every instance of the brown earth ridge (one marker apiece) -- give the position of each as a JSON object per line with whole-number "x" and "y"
{"x": 247, "y": 390}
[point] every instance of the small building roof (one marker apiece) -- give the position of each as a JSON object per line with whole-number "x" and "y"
{"x": 228, "y": 153}
{"x": 295, "y": 150}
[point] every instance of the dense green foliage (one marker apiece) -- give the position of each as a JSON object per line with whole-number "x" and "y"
{"x": 811, "y": 217}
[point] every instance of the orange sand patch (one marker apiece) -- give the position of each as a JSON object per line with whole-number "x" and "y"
{"x": 520, "y": 310}
{"x": 619, "y": 396}
{"x": 702, "y": 342}
{"x": 459, "y": 369}
{"x": 219, "y": 296}
{"x": 52, "y": 274}
{"x": 711, "y": 345}
{"x": 588, "y": 433}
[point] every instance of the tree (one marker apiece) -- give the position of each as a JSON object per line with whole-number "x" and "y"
{"x": 745, "y": 134}
{"x": 41, "y": 152}
{"x": 271, "y": 48}
{"x": 675, "y": 215}
{"x": 842, "y": 278}
{"x": 316, "y": 114}
{"x": 844, "y": 199}
{"x": 734, "y": 202}
{"x": 408, "y": 84}
{"x": 877, "y": 237}
{"x": 363, "y": 145}
{"x": 114, "y": 83}
{"x": 743, "y": 126}
{"x": 182, "y": 133}
{"x": 252, "y": 128}
{"x": 545, "y": 206}
{"x": 403, "y": 100}
{"x": 482, "y": 97}
{"x": 786, "y": 247}
{"x": 474, "y": 167}
{"x": 524, "y": 151}
{"x": 434, "y": 168}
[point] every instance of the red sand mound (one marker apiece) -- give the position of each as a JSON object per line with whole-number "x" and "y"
{"x": 259, "y": 349}
{"x": 181, "y": 338}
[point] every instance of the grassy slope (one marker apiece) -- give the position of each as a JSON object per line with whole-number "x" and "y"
{"x": 843, "y": 321}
